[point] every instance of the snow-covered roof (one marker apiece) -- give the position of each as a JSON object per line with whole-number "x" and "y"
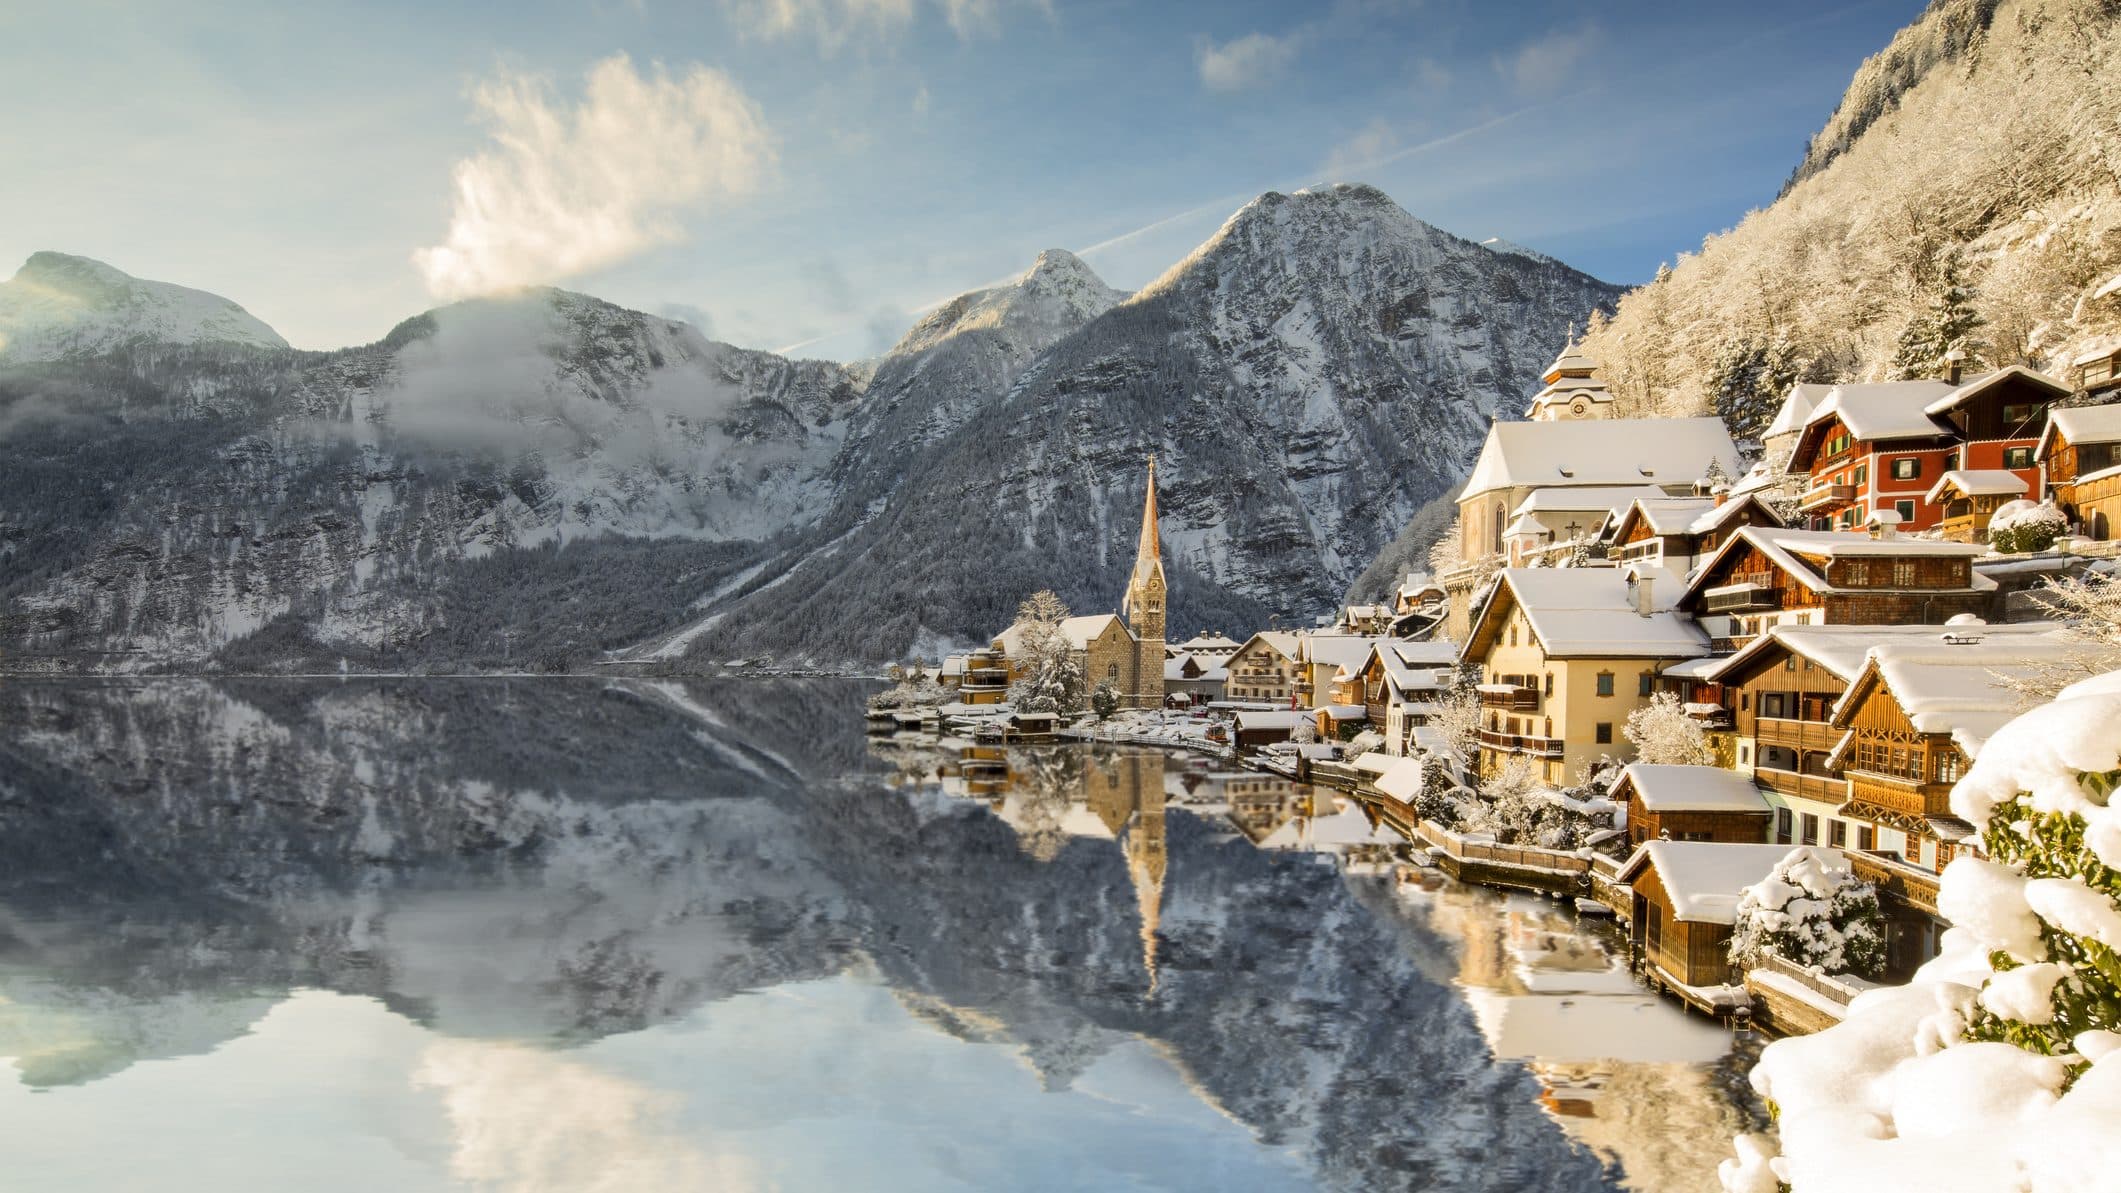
{"x": 1705, "y": 879}
{"x": 1588, "y": 499}
{"x": 1283, "y": 642}
{"x": 1281, "y": 718}
{"x": 1346, "y": 651}
{"x": 1344, "y": 712}
{"x": 1841, "y": 649}
{"x": 1978, "y": 482}
{"x": 1883, "y": 409}
{"x": 1672, "y": 515}
{"x": 1691, "y": 788}
{"x": 1208, "y": 644}
{"x": 1979, "y": 385}
{"x": 1789, "y": 549}
{"x": 1624, "y": 451}
{"x": 1527, "y": 526}
{"x": 1211, "y": 667}
{"x": 1962, "y": 686}
{"x": 2083, "y": 424}
{"x": 1402, "y": 781}
{"x": 1701, "y": 668}
{"x": 1079, "y": 631}
{"x": 1797, "y": 407}
{"x": 1590, "y": 613}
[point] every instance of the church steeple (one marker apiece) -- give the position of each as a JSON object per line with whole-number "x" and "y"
{"x": 1144, "y": 604}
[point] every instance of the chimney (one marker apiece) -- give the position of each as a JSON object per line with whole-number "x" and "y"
{"x": 1954, "y": 361}
{"x": 1640, "y": 583}
{"x": 1721, "y": 493}
{"x": 1885, "y": 524}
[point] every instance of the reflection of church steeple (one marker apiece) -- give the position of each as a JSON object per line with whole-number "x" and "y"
{"x": 1146, "y": 861}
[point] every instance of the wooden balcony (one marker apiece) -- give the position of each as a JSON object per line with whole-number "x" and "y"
{"x": 1825, "y": 789}
{"x": 1522, "y": 743}
{"x": 1746, "y": 593}
{"x": 1819, "y": 496}
{"x": 1896, "y": 880}
{"x": 1795, "y": 733}
{"x": 1910, "y": 797}
{"x": 1513, "y": 697}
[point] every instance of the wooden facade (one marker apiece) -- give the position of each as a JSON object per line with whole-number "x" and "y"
{"x": 1899, "y": 777}
{"x": 1691, "y": 952}
{"x": 2084, "y": 479}
{"x": 1736, "y": 828}
{"x": 1750, "y": 585}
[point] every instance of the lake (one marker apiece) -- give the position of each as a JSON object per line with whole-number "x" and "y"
{"x": 572, "y": 934}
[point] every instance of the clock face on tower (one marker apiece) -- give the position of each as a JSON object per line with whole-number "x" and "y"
{"x": 1577, "y": 407}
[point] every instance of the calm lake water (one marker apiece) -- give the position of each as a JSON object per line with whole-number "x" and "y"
{"x": 545, "y": 935}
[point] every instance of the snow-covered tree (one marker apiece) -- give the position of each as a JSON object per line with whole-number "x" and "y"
{"x": 1663, "y": 733}
{"x": 1811, "y": 909}
{"x": 2026, "y": 526}
{"x": 1104, "y": 700}
{"x": 913, "y": 690}
{"x": 1051, "y": 679}
{"x": 1999, "y": 1067}
{"x": 1455, "y": 715}
{"x": 1749, "y": 380}
{"x": 2091, "y": 605}
{"x": 1951, "y": 324}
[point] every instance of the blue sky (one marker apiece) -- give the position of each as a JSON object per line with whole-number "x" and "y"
{"x": 809, "y": 174}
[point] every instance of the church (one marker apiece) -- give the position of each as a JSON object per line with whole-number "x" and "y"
{"x": 1126, "y": 649}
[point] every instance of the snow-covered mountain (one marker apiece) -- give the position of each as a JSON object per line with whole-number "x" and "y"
{"x": 58, "y": 306}
{"x": 548, "y": 479}
{"x": 1308, "y": 377}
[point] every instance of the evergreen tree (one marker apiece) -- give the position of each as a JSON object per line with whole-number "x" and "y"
{"x": 1750, "y": 379}
{"x": 1950, "y": 324}
{"x": 1052, "y": 679}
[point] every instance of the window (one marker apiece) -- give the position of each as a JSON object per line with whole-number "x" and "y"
{"x": 1848, "y": 518}
{"x": 1782, "y": 826}
{"x": 2017, "y": 457}
{"x": 1811, "y": 829}
{"x": 1789, "y": 663}
{"x": 1906, "y": 510}
{"x": 1907, "y": 468}
{"x": 1550, "y": 683}
{"x": 1605, "y": 683}
{"x": 1838, "y": 444}
{"x": 1605, "y": 733}
{"x": 1950, "y": 766}
{"x": 2015, "y": 413}
{"x": 1642, "y": 684}
{"x": 1863, "y": 473}
{"x": 1513, "y": 633}
{"x": 1903, "y": 572}
{"x": 1863, "y": 837}
{"x": 1112, "y": 672}
{"x": 1837, "y": 833}
{"x": 1774, "y": 704}
{"x": 1745, "y": 702}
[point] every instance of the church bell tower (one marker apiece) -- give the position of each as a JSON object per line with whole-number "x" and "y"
{"x": 1144, "y": 606}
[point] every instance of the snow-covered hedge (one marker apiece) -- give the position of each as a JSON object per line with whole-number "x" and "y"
{"x": 1814, "y": 912}
{"x": 2026, "y": 526}
{"x": 1999, "y": 1067}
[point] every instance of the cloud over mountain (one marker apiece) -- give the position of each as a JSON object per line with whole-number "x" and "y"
{"x": 565, "y": 189}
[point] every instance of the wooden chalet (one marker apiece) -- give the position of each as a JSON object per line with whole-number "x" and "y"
{"x": 1998, "y": 419}
{"x": 1685, "y": 896}
{"x": 1967, "y": 498}
{"x": 1691, "y": 803}
{"x": 1872, "y": 447}
{"x": 1764, "y": 576}
{"x": 1674, "y": 532}
{"x": 2080, "y": 461}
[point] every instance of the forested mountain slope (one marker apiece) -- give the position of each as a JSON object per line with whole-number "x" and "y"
{"x": 1974, "y": 163}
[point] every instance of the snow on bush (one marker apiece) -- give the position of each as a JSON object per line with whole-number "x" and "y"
{"x": 1999, "y": 1067}
{"x": 2026, "y": 526}
{"x": 1812, "y": 910}
{"x": 1664, "y": 734}
{"x": 913, "y": 690}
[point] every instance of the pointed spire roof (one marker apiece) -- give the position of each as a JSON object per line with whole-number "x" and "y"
{"x": 1148, "y": 555}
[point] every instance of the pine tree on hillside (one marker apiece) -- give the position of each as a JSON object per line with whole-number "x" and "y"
{"x": 1951, "y": 323}
{"x": 1750, "y": 380}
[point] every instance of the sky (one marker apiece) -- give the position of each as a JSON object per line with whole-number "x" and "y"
{"x": 807, "y": 176}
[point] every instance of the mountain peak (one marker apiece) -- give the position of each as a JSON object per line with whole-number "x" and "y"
{"x": 59, "y": 304}
{"x": 1058, "y": 294}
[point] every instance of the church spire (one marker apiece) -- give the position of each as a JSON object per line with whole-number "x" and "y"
{"x": 1144, "y": 603}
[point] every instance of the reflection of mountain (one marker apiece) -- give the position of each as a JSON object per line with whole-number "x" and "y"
{"x": 565, "y": 860}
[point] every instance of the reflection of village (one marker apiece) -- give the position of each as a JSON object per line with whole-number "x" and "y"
{"x": 1625, "y": 1072}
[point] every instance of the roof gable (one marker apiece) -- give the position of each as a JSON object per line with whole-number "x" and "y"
{"x": 1628, "y": 451}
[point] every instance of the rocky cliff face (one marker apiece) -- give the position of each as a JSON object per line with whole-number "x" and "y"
{"x": 548, "y": 479}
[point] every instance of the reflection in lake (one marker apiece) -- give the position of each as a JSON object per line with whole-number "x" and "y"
{"x": 582, "y": 935}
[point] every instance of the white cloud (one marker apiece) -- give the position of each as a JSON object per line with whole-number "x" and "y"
{"x": 1247, "y": 62}
{"x": 835, "y": 24}
{"x": 564, "y": 190}
{"x": 530, "y": 1121}
{"x": 1548, "y": 64}
{"x": 1360, "y": 152}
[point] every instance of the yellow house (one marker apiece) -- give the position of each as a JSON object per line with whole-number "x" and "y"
{"x": 1565, "y": 654}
